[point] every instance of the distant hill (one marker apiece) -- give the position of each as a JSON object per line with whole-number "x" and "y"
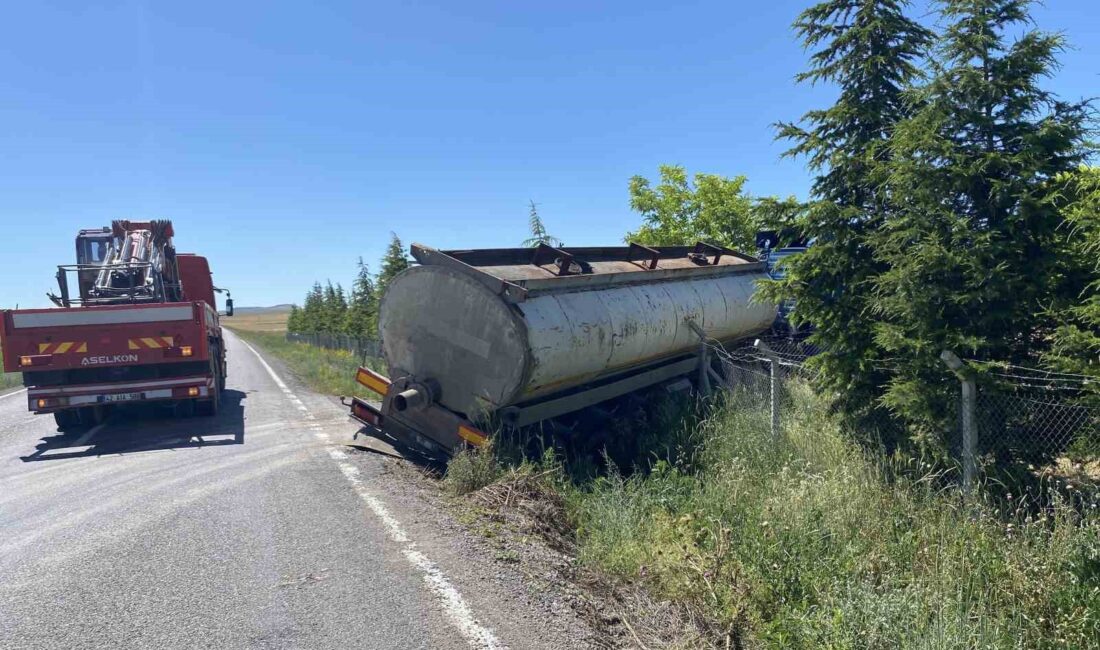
{"x": 262, "y": 310}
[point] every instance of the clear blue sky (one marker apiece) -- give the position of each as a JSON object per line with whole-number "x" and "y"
{"x": 287, "y": 139}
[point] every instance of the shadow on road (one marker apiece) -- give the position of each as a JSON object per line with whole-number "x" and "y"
{"x": 148, "y": 427}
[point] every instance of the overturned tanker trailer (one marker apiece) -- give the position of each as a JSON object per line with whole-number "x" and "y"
{"x": 479, "y": 339}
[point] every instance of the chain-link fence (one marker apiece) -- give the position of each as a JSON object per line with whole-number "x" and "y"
{"x": 1030, "y": 415}
{"x": 1007, "y": 414}
{"x": 360, "y": 347}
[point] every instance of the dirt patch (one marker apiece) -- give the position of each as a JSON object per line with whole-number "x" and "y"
{"x": 528, "y": 524}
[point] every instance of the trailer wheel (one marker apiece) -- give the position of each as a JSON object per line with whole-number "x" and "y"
{"x": 66, "y": 420}
{"x": 209, "y": 407}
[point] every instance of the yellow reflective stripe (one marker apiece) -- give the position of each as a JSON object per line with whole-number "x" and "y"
{"x": 472, "y": 436}
{"x": 62, "y": 348}
{"x": 133, "y": 345}
{"x": 151, "y": 343}
{"x": 42, "y": 347}
{"x": 372, "y": 382}
{"x": 83, "y": 347}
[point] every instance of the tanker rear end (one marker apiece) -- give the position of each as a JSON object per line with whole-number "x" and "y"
{"x": 479, "y": 339}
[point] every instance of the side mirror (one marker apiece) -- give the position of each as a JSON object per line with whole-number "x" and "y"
{"x": 228, "y": 306}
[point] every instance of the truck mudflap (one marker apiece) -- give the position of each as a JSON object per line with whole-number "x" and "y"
{"x": 55, "y": 398}
{"x": 429, "y": 429}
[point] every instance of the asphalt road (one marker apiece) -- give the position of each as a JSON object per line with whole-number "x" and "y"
{"x": 247, "y": 530}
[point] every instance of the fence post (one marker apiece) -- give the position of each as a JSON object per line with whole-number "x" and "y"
{"x": 773, "y": 363}
{"x": 969, "y": 397}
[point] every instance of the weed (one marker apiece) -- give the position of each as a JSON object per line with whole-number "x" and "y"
{"x": 471, "y": 469}
{"x": 801, "y": 542}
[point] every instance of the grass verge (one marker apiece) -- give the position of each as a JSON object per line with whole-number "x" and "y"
{"x": 802, "y": 542}
{"x": 326, "y": 371}
{"x": 9, "y": 381}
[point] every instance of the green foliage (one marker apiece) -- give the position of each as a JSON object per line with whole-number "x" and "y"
{"x": 334, "y": 309}
{"x": 1076, "y": 340}
{"x": 311, "y": 319}
{"x": 711, "y": 208}
{"x": 393, "y": 262}
{"x": 974, "y": 250}
{"x": 538, "y": 231}
{"x": 331, "y": 372}
{"x": 803, "y": 542}
{"x": 295, "y": 322}
{"x": 869, "y": 50}
{"x": 472, "y": 469}
{"x": 10, "y": 380}
{"x": 361, "y": 318}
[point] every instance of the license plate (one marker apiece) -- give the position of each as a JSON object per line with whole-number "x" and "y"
{"x": 121, "y": 397}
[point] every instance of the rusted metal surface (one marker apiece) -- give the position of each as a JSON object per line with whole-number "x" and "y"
{"x": 461, "y": 320}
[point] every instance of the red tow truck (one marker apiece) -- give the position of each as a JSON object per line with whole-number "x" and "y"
{"x": 140, "y": 325}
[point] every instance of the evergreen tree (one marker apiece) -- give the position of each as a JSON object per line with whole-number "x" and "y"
{"x": 538, "y": 231}
{"x": 334, "y": 309}
{"x": 294, "y": 322}
{"x": 393, "y": 262}
{"x": 313, "y": 310}
{"x": 870, "y": 50}
{"x": 974, "y": 250}
{"x": 362, "y": 314}
{"x": 1076, "y": 340}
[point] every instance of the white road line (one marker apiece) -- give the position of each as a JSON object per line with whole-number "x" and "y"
{"x": 13, "y": 393}
{"x": 83, "y": 440}
{"x": 454, "y": 605}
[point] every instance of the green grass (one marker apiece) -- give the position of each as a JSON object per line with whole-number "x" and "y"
{"x": 325, "y": 371}
{"x": 9, "y": 380}
{"x": 802, "y": 542}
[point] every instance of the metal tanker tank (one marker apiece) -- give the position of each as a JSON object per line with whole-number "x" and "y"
{"x": 534, "y": 333}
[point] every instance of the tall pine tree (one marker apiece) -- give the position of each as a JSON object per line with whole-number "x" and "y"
{"x": 393, "y": 262}
{"x": 362, "y": 314}
{"x": 313, "y": 310}
{"x": 294, "y": 323}
{"x": 538, "y": 230}
{"x": 974, "y": 250}
{"x": 870, "y": 50}
{"x": 334, "y": 309}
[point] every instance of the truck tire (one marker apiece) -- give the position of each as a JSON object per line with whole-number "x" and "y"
{"x": 66, "y": 420}
{"x": 209, "y": 407}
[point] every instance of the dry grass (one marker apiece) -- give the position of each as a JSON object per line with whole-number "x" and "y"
{"x": 258, "y": 321}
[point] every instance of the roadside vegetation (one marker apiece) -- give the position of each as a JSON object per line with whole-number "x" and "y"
{"x": 331, "y": 372}
{"x": 808, "y": 541}
{"x": 9, "y": 380}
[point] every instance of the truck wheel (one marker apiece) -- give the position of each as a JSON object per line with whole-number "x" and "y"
{"x": 92, "y": 415}
{"x": 209, "y": 407}
{"x": 66, "y": 420}
{"x": 183, "y": 408}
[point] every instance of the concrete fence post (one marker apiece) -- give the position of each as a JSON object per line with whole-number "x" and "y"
{"x": 773, "y": 363}
{"x": 968, "y": 406}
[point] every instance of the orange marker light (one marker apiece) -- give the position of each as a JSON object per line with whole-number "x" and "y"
{"x": 186, "y": 351}
{"x": 193, "y": 392}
